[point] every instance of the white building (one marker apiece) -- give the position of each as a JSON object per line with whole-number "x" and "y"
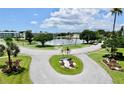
{"x": 4, "y": 34}
{"x": 22, "y": 34}
{"x": 76, "y": 36}
{"x": 12, "y": 34}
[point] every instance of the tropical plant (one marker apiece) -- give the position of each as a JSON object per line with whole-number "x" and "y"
{"x": 11, "y": 49}
{"x": 114, "y": 42}
{"x": 15, "y": 50}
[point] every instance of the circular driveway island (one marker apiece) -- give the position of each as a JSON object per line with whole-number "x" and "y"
{"x": 66, "y": 64}
{"x": 42, "y": 73}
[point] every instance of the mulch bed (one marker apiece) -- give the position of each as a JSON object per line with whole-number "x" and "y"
{"x": 112, "y": 64}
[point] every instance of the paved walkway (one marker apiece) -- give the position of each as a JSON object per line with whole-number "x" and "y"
{"x": 42, "y": 73}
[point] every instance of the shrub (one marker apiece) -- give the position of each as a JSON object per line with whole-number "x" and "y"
{"x": 16, "y": 68}
{"x": 1, "y": 53}
{"x": 99, "y": 41}
{"x": 107, "y": 55}
{"x": 103, "y": 46}
{"x": 119, "y": 54}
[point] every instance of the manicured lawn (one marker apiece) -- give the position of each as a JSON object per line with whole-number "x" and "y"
{"x": 24, "y": 43}
{"x": 118, "y": 77}
{"x": 49, "y": 47}
{"x": 54, "y": 62}
{"x": 22, "y": 78}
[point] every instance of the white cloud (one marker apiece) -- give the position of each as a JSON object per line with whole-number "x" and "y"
{"x": 34, "y": 22}
{"x": 77, "y": 19}
{"x": 121, "y": 24}
{"x": 35, "y": 14}
{"x": 108, "y": 15}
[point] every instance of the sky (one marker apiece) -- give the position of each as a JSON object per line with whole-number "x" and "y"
{"x": 57, "y": 20}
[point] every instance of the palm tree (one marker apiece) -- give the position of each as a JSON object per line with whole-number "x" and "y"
{"x": 11, "y": 49}
{"x": 115, "y": 12}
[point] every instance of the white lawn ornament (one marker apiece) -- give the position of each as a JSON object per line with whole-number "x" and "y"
{"x": 66, "y": 63}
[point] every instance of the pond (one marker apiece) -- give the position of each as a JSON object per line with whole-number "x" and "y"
{"x": 64, "y": 41}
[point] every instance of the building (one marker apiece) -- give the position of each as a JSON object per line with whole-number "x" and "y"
{"x": 76, "y": 36}
{"x": 13, "y": 34}
{"x": 22, "y": 34}
{"x": 4, "y": 34}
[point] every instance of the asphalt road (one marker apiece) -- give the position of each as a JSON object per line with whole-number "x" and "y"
{"x": 42, "y": 73}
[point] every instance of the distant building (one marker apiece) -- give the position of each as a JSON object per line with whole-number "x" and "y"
{"x": 4, "y": 34}
{"x": 13, "y": 34}
{"x": 22, "y": 34}
{"x": 76, "y": 36}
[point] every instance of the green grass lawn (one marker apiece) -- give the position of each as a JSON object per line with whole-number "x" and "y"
{"x": 118, "y": 77}
{"x": 24, "y": 43}
{"x": 23, "y": 77}
{"x": 54, "y": 62}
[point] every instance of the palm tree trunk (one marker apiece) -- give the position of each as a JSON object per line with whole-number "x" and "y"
{"x": 114, "y": 24}
{"x": 113, "y": 35}
{"x": 9, "y": 59}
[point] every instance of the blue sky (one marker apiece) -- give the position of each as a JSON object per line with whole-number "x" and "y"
{"x": 20, "y": 19}
{"x": 57, "y": 20}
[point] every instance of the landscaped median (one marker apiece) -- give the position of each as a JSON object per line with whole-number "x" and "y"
{"x": 117, "y": 76}
{"x": 61, "y": 68}
{"x": 20, "y": 78}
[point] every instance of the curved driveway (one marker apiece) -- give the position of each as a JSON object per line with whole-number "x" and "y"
{"x": 42, "y": 73}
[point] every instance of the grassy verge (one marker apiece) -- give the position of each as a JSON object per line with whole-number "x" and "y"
{"x": 118, "y": 77}
{"x": 54, "y": 62}
{"x": 22, "y": 78}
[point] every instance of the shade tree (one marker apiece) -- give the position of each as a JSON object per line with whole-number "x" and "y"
{"x": 43, "y": 38}
{"x": 29, "y": 36}
{"x": 89, "y": 36}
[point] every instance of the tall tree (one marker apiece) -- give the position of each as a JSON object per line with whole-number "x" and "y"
{"x": 89, "y": 36}
{"x": 43, "y": 37}
{"x": 115, "y": 12}
{"x": 113, "y": 42}
{"x": 29, "y": 36}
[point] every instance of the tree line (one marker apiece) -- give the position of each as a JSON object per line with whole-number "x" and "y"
{"x": 87, "y": 35}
